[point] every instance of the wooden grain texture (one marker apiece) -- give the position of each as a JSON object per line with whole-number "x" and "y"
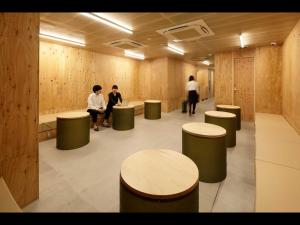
{"x": 159, "y": 173}
{"x": 259, "y": 29}
{"x": 223, "y": 78}
{"x": 244, "y": 85}
{"x": 153, "y": 81}
{"x": 202, "y": 78}
{"x": 68, "y": 74}
{"x": 178, "y": 74}
{"x": 19, "y": 62}
{"x": 268, "y": 72}
{"x": 291, "y": 78}
{"x": 204, "y": 129}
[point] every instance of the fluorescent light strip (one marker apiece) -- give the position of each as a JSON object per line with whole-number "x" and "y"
{"x": 51, "y": 37}
{"x": 107, "y": 22}
{"x": 175, "y": 49}
{"x": 242, "y": 41}
{"x": 134, "y": 55}
{"x": 205, "y": 62}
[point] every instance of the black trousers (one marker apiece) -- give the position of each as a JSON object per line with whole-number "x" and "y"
{"x": 109, "y": 109}
{"x": 94, "y": 113}
{"x": 192, "y": 99}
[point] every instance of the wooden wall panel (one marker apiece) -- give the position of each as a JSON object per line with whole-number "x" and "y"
{"x": 153, "y": 80}
{"x": 68, "y": 74}
{"x": 244, "y": 86}
{"x": 19, "y": 92}
{"x": 291, "y": 78}
{"x": 223, "y": 78}
{"x": 268, "y": 70}
{"x": 202, "y": 78}
{"x": 178, "y": 74}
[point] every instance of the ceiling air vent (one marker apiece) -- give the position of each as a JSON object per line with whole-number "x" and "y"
{"x": 187, "y": 32}
{"x": 125, "y": 44}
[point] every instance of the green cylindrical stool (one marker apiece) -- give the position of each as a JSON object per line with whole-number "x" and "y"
{"x": 232, "y": 109}
{"x": 73, "y": 130}
{"x": 204, "y": 143}
{"x": 226, "y": 120}
{"x": 159, "y": 180}
{"x": 123, "y": 117}
{"x": 152, "y": 109}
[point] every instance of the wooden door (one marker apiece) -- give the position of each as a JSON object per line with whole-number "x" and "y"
{"x": 244, "y": 87}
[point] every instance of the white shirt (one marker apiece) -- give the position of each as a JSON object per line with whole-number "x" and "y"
{"x": 96, "y": 101}
{"x": 192, "y": 86}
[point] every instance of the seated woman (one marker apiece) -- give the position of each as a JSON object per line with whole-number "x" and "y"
{"x": 96, "y": 104}
{"x": 113, "y": 97}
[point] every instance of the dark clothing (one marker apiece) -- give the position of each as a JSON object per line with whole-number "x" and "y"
{"x": 94, "y": 113}
{"x": 112, "y": 100}
{"x": 192, "y": 99}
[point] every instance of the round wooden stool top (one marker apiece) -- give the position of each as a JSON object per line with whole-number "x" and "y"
{"x": 123, "y": 107}
{"x": 73, "y": 115}
{"x": 204, "y": 130}
{"x": 228, "y": 106}
{"x": 153, "y": 101}
{"x": 220, "y": 114}
{"x": 159, "y": 174}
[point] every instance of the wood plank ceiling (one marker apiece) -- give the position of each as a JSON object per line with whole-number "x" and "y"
{"x": 259, "y": 29}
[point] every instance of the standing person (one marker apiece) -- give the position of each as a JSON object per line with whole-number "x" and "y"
{"x": 113, "y": 97}
{"x": 96, "y": 104}
{"x": 193, "y": 96}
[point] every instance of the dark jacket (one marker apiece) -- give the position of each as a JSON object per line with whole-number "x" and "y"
{"x": 113, "y": 99}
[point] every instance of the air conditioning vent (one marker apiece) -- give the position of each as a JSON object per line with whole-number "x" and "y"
{"x": 187, "y": 32}
{"x": 125, "y": 44}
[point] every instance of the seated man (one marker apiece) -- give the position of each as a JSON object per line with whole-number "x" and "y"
{"x": 96, "y": 105}
{"x": 113, "y": 97}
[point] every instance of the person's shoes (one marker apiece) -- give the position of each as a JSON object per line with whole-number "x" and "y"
{"x": 193, "y": 112}
{"x": 190, "y": 113}
{"x": 96, "y": 129}
{"x": 105, "y": 124}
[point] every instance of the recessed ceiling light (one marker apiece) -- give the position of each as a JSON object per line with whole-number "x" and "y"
{"x": 242, "y": 41}
{"x": 134, "y": 54}
{"x": 206, "y": 62}
{"x": 273, "y": 43}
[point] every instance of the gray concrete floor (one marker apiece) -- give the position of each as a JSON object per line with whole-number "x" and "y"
{"x": 87, "y": 179}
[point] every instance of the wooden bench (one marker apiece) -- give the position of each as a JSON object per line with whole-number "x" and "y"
{"x": 47, "y": 123}
{"x": 277, "y": 163}
{"x": 7, "y": 201}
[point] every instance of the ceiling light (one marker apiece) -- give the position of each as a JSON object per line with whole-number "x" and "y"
{"x": 242, "y": 41}
{"x": 175, "y": 49}
{"x": 273, "y": 43}
{"x": 133, "y": 54}
{"x": 61, "y": 38}
{"x": 205, "y": 62}
{"x": 106, "y": 21}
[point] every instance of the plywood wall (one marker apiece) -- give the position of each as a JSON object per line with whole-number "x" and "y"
{"x": 202, "y": 78}
{"x": 19, "y": 62}
{"x": 267, "y": 74}
{"x": 268, "y": 67}
{"x": 291, "y": 78}
{"x": 164, "y": 79}
{"x": 178, "y": 74}
{"x": 68, "y": 74}
{"x": 223, "y": 78}
{"x": 153, "y": 80}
